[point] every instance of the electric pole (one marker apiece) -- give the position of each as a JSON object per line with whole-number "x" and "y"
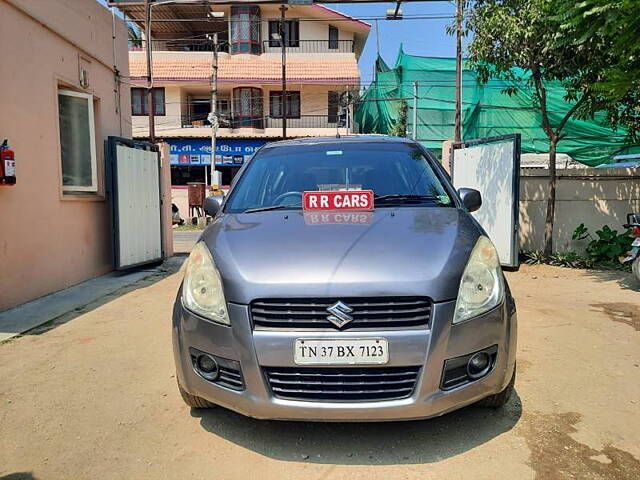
{"x": 148, "y": 46}
{"x": 458, "y": 128}
{"x": 213, "y": 116}
{"x": 284, "y": 101}
{"x": 415, "y": 111}
{"x": 375, "y": 64}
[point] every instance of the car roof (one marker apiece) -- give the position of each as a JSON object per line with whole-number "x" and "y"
{"x": 338, "y": 140}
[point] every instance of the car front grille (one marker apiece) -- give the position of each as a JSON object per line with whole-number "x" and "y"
{"x": 368, "y": 312}
{"x": 342, "y": 384}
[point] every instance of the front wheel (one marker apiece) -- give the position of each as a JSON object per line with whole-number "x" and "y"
{"x": 192, "y": 400}
{"x": 500, "y": 399}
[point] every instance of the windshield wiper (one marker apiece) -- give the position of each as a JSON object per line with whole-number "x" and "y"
{"x": 407, "y": 198}
{"x": 272, "y": 207}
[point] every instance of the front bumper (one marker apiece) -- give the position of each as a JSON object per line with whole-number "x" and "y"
{"x": 428, "y": 348}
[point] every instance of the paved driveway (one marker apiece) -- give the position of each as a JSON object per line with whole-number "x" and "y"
{"x": 93, "y": 397}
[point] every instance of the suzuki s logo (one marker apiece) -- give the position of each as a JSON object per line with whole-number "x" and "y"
{"x": 339, "y": 314}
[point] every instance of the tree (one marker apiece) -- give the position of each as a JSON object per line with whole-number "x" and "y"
{"x": 400, "y": 127}
{"x": 610, "y": 27}
{"x": 515, "y": 40}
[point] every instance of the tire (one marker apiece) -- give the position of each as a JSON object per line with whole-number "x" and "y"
{"x": 635, "y": 268}
{"x": 193, "y": 401}
{"x": 500, "y": 399}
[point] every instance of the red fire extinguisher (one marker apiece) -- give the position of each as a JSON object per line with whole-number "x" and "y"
{"x": 7, "y": 165}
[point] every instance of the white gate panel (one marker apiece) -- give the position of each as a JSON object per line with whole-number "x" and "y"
{"x": 492, "y": 166}
{"x": 137, "y": 216}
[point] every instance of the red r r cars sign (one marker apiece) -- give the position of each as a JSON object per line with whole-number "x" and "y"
{"x": 338, "y": 200}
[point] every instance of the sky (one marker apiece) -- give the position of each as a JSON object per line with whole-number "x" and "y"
{"x": 423, "y": 37}
{"x": 420, "y": 37}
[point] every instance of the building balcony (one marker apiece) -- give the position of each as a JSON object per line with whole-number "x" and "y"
{"x": 198, "y": 120}
{"x": 306, "y": 122}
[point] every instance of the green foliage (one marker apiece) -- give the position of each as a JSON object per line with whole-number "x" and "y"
{"x": 609, "y": 28}
{"x": 515, "y": 41}
{"x": 603, "y": 250}
{"x": 560, "y": 259}
{"x": 570, "y": 260}
{"x": 580, "y": 233}
{"x": 400, "y": 128}
{"x": 607, "y": 246}
{"x": 535, "y": 257}
{"x": 519, "y": 33}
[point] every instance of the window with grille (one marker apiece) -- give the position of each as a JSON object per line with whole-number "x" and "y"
{"x": 247, "y": 105}
{"x": 290, "y": 107}
{"x": 245, "y": 29}
{"x": 291, "y": 33}
{"x": 140, "y": 104}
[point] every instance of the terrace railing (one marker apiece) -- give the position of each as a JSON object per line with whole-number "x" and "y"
{"x": 268, "y": 46}
{"x": 303, "y": 121}
{"x": 309, "y": 46}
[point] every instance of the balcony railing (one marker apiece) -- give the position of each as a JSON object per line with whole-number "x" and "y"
{"x": 189, "y": 45}
{"x": 268, "y": 46}
{"x": 196, "y": 120}
{"x": 309, "y": 46}
{"x": 303, "y": 121}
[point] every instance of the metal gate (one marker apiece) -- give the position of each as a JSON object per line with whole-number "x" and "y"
{"x": 492, "y": 166}
{"x": 133, "y": 185}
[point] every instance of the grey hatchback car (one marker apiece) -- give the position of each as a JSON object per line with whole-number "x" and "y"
{"x": 393, "y": 312}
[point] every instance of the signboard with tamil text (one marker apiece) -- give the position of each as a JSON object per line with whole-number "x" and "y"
{"x": 229, "y": 152}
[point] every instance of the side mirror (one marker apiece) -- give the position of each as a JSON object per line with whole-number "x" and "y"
{"x": 471, "y": 199}
{"x": 212, "y": 204}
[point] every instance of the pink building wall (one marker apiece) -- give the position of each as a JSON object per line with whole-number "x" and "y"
{"x": 49, "y": 241}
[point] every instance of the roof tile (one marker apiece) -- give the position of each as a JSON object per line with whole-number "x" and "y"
{"x": 168, "y": 66}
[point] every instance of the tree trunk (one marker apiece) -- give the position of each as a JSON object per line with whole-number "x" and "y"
{"x": 551, "y": 202}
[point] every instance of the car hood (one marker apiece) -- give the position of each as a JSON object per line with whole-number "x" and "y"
{"x": 404, "y": 251}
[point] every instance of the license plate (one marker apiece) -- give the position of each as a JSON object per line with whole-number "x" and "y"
{"x": 341, "y": 352}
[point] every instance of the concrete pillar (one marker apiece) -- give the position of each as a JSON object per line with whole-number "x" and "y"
{"x": 165, "y": 195}
{"x": 446, "y": 155}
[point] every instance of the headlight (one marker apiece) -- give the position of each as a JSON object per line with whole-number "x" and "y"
{"x": 202, "y": 287}
{"x": 482, "y": 284}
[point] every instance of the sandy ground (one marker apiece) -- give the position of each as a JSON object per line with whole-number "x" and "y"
{"x": 94, "y": 397}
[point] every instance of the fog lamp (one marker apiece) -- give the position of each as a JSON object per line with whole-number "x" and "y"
{"x": 207, "y": 366}
{"x": 478, "y": 365}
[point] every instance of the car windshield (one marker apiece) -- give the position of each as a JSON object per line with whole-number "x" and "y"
{"x": 398, "y": 173}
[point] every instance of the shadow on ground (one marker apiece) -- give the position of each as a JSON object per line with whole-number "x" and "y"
{"x": 384, "y": 443}
{"x": 625, "y": 280}
{"x": 18, "y": 476}
{"x": 156, "y": 274}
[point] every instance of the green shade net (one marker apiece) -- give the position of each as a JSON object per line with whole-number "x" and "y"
{"x": 486, "y": 110}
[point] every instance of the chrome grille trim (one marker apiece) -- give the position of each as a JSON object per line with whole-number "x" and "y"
{"x": 342, "y": 384}
{"x": 368, "y": 312}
